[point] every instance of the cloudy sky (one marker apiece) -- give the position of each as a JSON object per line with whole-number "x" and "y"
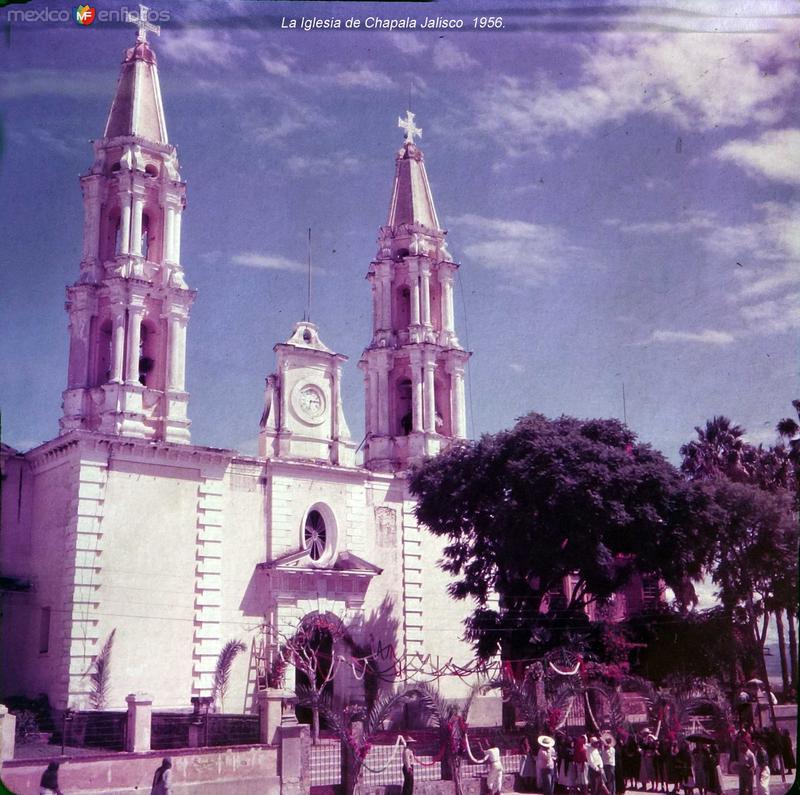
{"x": 619, "y": 183}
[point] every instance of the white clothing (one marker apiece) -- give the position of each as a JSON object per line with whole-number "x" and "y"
{"x": 494, "y": 778}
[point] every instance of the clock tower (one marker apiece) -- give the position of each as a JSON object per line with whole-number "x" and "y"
{"x": 303, "y": 416}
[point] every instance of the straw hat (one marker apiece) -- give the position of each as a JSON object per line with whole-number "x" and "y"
{"x": 546, "y": 742}
{"x": 608, "y": 738}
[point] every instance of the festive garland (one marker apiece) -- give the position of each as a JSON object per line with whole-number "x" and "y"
{"x": 567, "y": 673}
{"x": 472, "y": 756}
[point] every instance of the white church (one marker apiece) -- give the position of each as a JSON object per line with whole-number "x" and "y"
{"x": 122, "y": 524}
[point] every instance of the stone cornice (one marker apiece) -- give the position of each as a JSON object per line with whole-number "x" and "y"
{"x": 105, "y": 446}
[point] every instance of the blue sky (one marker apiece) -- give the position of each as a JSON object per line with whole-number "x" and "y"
{"x": 619, "y": 183}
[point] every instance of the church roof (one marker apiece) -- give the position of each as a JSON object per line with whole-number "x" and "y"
{"x": 137, "y": 108}
{"x": 412, "y": 202}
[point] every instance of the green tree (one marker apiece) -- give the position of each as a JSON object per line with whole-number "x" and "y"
{"x": 524, "y": 508}
{"x": 720, "y": 455}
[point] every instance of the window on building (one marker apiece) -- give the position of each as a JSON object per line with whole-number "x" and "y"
{"x": 315, "y": 535}
{"x": 404, "y": 407}
{"x": 44, "y": 630}
{"x": 145, "y": 354}
{"x": 650, "y": 592}
{"x": 403, "y": 308}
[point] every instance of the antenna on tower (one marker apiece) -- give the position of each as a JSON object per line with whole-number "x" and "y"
{"x": 307, "y": 315}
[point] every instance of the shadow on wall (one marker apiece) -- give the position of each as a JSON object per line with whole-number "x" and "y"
{"x": 377, "y": 636}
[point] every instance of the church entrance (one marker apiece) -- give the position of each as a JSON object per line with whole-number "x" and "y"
{"x": 318, "y": 642}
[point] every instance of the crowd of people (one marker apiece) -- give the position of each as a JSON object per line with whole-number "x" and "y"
{"x": 611, "y": 764}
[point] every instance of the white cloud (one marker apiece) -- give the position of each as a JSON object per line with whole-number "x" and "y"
{"x": 447, "y": 56}
{"x": 516, "y": 367}
{"x": 762, "y": 254}
{"x": 530, "y": 253}
{"x": 407, "y": 43}
{"x": 208, "y": 45}
{"x": 361, "y": 76}
{"x": 774, "y": 316}
{"x": 338, "y": 162}
{"x": 775, "y": 155}
{"x": 699, "y": 81}
{"x": 705, "y": 337}
{"x": 274, "y": 262}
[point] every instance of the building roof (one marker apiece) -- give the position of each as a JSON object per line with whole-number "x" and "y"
{"x": 412, "y": 201}
{"x": 137, "y": 109}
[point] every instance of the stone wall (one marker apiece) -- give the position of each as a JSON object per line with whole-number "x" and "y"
{"x": 249, "y": 770}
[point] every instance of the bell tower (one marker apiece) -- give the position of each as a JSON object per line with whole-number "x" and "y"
{"x": 129, "y": 308}
{"x": 414, "y": 365}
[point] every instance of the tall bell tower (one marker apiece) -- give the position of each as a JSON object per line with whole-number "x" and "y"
{"x": 414, "y": 365}
{"x": 129, "y": 308}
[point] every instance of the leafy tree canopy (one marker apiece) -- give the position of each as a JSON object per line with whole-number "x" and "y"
{"x": 524, "y": 508}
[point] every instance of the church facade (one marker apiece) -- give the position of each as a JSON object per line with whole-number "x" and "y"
{"x": 122, "y": 525}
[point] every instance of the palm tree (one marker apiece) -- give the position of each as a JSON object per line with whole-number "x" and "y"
{"x": 222, "y": 671}
{"x": 100, "y": 674}
{"x": 718, "y": 451}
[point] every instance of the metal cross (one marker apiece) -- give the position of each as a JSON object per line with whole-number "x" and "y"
{"x": 143, "y": 24}
{"x": 410, "y": 128}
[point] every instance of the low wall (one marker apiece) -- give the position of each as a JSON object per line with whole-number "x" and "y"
{"x": 251, "y": 770}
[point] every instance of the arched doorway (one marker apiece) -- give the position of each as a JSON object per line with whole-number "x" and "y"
{"x": 316, "y": 637}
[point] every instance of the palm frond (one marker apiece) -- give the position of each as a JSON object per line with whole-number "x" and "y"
{"x": 222, "y": 670}
{"x": 100, "y": 674}
{"x": 381, "y": 710}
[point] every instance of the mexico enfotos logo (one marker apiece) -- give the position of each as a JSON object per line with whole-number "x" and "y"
{"x": 86, "y": 15}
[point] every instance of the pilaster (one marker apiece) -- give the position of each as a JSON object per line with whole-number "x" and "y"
{"x": 82, "y": 575}
{"x": 208, "y": 585}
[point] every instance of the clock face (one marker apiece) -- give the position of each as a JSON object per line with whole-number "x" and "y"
{"x": 311, "y": 402}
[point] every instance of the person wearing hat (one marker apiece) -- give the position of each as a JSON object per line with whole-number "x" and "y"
{"x": 546, "y": 762}
{"x": 597, "y": 784}
{"x": 647, "y": 769}
{"x": 609, "y": 757}
{"x": 408, "y": 767}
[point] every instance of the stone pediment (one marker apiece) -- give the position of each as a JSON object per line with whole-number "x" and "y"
{"x": 344, "y": 563}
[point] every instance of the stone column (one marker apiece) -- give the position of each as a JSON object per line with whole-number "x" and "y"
{"x": 386, "y": 297}
{"x": 136, "y": 226}
{"x": 383, "y": 398}
{"x": 169, "y": 229}
{"x": 173, "y": 355}
{"x": 376, "y": 302}
{"x": 294, "y": 761}
{"x": 372, "y": 397}
{"x": 117, "y": 342}
{"x": 91, "y": 227}
{"x": 8, "y": 723}
{"x": 181, "y": 384}
{"x": 430, "y": 395}
{"x": 458, "y": 406}
{"x": 425, "y": 275}
{"x": 137, "y": 737}
{"x": 176, "y": 237}
{"x": 135, "y": 314}
{"x": 446, "y": 280}
{"x": 416, "y": 395}
{"x": 125, "y": 224}
{"x": 270, "y": 704}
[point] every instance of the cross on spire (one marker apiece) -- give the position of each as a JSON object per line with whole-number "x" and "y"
{"x": 409, "y": 127}
{"x": 143, "y": 24}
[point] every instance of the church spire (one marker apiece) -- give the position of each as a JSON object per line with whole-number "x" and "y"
{"x": 137, "y": 108}
{"x": 412, "y": 202}
{"x": 414, "y": 365}
{"x": 129, "y": 309}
